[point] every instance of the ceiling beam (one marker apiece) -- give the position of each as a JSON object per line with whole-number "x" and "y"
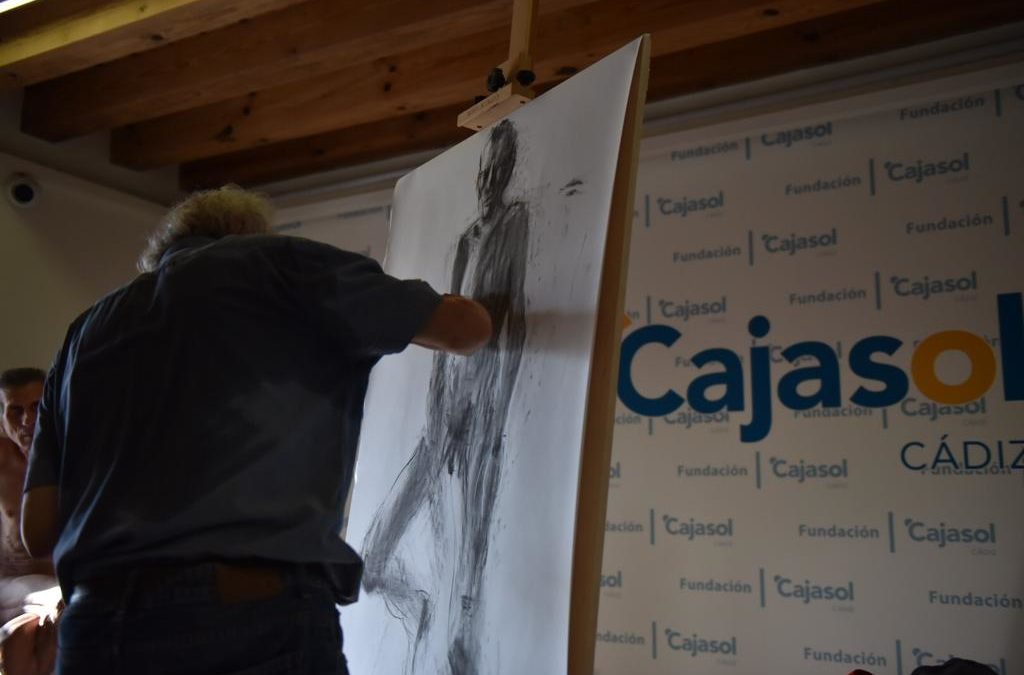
{"x": 894, "y": 24}
{"x": 44, "y": 40}
{"x": 872, "y": 30}
{"x": 355, "y": 145}
{"x": 312, "y": 40}
{"x": 447, "y": 74}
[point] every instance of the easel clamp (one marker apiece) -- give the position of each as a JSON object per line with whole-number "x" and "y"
{"x": 510, "y": 82}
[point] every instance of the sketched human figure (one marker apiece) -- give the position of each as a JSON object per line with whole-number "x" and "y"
{"x": 455, "y": 471}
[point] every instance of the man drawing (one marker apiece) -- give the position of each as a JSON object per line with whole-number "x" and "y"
{"x": 456, "y": 468}
{"x": 196, "y": 440}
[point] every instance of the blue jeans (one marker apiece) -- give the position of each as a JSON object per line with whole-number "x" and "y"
{"x": 184, "y": 626}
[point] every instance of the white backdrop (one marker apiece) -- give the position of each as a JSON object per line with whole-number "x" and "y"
{"x": 880, "y": 534}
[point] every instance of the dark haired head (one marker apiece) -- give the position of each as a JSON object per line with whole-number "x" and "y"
{"x": 19, "y": 377}
{"x": 20, "y": 392}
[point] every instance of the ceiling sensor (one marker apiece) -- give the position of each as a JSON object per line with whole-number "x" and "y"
{"x": 22, "y": 190}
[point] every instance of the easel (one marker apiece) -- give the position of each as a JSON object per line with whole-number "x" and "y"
{"x": 509, "y": 84}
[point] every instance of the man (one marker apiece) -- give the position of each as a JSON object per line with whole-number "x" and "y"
{"x": 24, "y": 646}
{"x": 196, "y": 442}
{"x": 20, "y": 575}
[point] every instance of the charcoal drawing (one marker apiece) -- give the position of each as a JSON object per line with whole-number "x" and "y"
{"x": 458, "y": 461}
{"x": 465, "y": 499}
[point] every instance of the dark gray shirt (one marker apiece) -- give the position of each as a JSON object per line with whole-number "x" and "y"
{"x": 211, "y": 409}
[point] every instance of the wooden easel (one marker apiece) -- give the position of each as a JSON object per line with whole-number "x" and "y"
{"x": 595, "y": 460}
{"x": 599, "y": 420}
{"x": 509, "y": 82}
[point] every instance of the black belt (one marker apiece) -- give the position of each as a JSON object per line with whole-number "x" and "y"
{"x": 234, "y": 581}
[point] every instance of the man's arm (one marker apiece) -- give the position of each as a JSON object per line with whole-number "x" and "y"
{"x": 39, "y": 520}
{"x": 458, "y": 325}
{"x": 39, "y": 516}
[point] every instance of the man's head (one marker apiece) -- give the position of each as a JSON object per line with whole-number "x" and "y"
{"x": 211, "y": 213}
{"x": 20, "y": 392}
{"x": 497, "y": 164}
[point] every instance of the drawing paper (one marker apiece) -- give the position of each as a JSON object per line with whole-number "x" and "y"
{"x": 464, "y": 504}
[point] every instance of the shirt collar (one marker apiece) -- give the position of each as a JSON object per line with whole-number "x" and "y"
{"x": 194, "y": 241}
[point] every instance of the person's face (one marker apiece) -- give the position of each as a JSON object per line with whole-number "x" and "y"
{"x": 497, "y": 162}
{"x": 21, "y": 405}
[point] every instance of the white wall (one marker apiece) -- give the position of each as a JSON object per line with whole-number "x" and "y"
{"x": 904, "y": 612}
{"x": 721, "y": 554}
{"x": 76, "y": 243}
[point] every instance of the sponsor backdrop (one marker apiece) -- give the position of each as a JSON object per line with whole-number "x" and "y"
{"x": 819, "y": 451}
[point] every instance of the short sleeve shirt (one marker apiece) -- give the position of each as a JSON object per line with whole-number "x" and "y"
{"x": 211, "y": 409}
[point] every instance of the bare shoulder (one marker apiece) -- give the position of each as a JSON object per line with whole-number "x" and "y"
{"x": 10, "y": 455}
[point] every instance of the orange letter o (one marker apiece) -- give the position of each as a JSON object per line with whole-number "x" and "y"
{"x": 983, "y": 367}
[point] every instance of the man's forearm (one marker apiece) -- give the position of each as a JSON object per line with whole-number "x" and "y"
{"x": 458, "y": 325}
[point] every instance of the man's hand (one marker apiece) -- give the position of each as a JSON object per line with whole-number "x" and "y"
{"x": 29, "y": 644}
{"x": 458, "y": 325}
{"x": 45, "y": 647}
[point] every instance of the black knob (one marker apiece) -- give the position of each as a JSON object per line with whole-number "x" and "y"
{"x": 496, "y": 80}
{"x": 526, "y": 77}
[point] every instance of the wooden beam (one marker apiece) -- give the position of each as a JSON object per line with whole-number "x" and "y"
{"x": 45, "y": 40}
{"x": 446, "y": 74}
{"x": 891, "y": 25}
{"x": 312, "y": 40}
{"x": 35, "y": 15}
{"x": 355, "y": 145}
{"x": 888, "y": 26}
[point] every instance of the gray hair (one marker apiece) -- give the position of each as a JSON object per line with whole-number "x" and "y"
{"x": 209, "y": 213}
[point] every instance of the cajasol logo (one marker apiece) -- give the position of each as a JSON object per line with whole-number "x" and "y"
{"x": 615, "y": 471}
{"x": 688, "y": 419}
{"x": 920, "y": 170}
{"x": 927, "y": 410}
{"x": 800, "y": 471}
{"x": 942, "y": 534}
{"x": 790, "y": 137}
{"x": 792, "y": 244}
{"x": 696, "y": 645}
{"x": 923, "y": 656}
{"x": 613, "y": 580}
{"x": 807, "y": 591}
{"x": 926, "y": 287}
{"x": 691, "y": 528}
{"x": 685, "y": 206}
{"x": 686, "y": 309}
{"x": 727, "y": 381}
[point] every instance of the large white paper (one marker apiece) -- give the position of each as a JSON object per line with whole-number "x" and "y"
{"x": 464, "y": 505}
